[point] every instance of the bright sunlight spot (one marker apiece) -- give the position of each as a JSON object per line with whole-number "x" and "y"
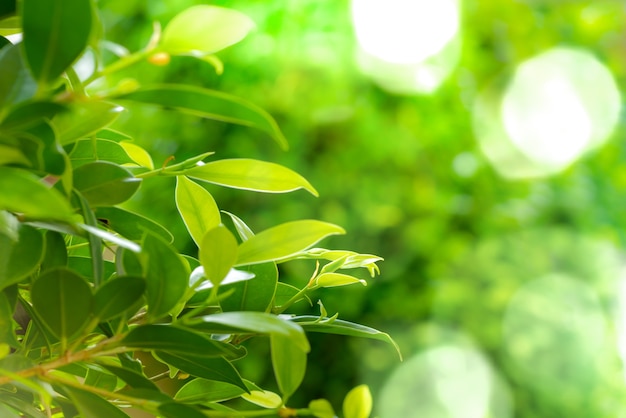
{"x": 447, "y": 381}
{"x": 558, "y": 105}
{"x": 554, "y": 330}
{"x": 408, "y": 45}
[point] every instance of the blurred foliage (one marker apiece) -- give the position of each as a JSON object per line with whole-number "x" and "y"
{"x": 457, "y": 244}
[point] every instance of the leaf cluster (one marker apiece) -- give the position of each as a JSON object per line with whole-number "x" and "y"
{"x": 89, "y": 288}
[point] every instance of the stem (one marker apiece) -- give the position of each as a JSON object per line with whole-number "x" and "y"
{"x": 282, "y": 308}
{"x": 75, "y": 82}
{"x": 118, "y": 65}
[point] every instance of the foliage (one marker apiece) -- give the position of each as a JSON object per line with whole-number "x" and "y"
{"x": 90, "y": 290}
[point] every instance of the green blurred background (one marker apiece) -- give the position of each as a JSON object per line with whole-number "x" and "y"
{"x": 504, "y": 271}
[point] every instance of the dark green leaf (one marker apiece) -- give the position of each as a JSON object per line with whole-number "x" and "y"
{"x": 84, "y": 120}
{"x": 16, "y": 83}
{"x": 105, "y": 184}
{"x": 284, "y": 241}
{"x": 176, "y": 340}
{"x": 338, "y": 326}
{"x": 55, "y": 34}
{"x": 211, "y": 368}
{"x": 253, "y": 323}
{"x": 166, "y": 273}
{"x": 63, "y": 301}
{"x": 92, "y": 406}
{"x": 130, "y": 225}
{"x": 29, "y": 114}
{"x": 204, "y": 29}
{"x": 197, "y": 208}
{"x": 209, "y": 104}
{"x": 20, "y": 258}
{"x": 39, "y": 145}
{"x": 132, "y": 378}
{"x": 218, "y": 253}
{"x": 289, "y": 363}
{"x": 7, "y": 325}
{"x": 203, "y": 390}
{"x": 95, "y": 243}
{"x": 22, "y": 192}
{"x": 7, "y": 8}
{"x": 256, "y": 294}
{"x": 177, "y": 410}
{"x": 117, "y": 296}
{"x": 247, "y": 174}
{"x": 56, "y": 251}
{"x": 84, "y": 266}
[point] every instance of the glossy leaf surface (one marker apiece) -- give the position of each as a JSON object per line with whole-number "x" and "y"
{"x": 84, "y": 120}
{"x": 247, "y": 174}
{"x": 197, "y": 208}
{"x": 284, "y": 241}
{"x": 105, "y": 184}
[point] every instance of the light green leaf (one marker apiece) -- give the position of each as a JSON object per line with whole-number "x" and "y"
{"x": 244, "y": 231}
{"x": 166, "y": 273}
{"x": 22, "y": 192}
{"x": 176, "y": 340}
{"x": 338, "y": 326}
{"x": 20, "y": 258}
{"x": 284, "y": 241}
{"x": 55, "y": 34}
{"x": 335, "y": 280}
{"x": 321, "y": 408}
{"x": 209, "y": 104}
{"x": 218, "y": 253}
{"x": 16, "y": 84}
{"x": 84, "y": 120}
{"x": 358, "y": 403}
{"x": 86, "y": 151}
{"x": 253, "y": 323}
{"x": 263, "y": 398}
{"x": 206, "y": 29}
{"x": 289, "y": 363}
{"x": 197, "y": 208}
{"x": 92, "y": 406}
{"x": 203, "y": 390}
{"x": 117, "y": 296}
{"x": 63, "y": 301}
{"x": 138, "y": 154}
{"x": 211, "y": 368}
{"x": 256, "y": 294}
{"x": 247, "y": 174}
{"x": 105, "y": 184}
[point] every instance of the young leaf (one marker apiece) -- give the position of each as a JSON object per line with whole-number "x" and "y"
{"x": 63, "y": 301}
{"x": 253, "y": 295}
{"x": 91, "y": 405}
{"x": 321, "y": 408}
{"x": 247, "y": 174}
{"x": 284, "y": 241}
{"x": 218, "y": 253}
{"x": 22, "y": 192}
{"x": 263, "y": 398}
{"x": 116, "y": 296}
{"x": 212, "y": 368}
{"x": 105, "y": 184}
{"x": 244, "y": 231}
{"x": 139, "y": 155}
{"x": 209, "y": 104}
{"x": 253, "y": 323}
{"x": 358, "y": 403}
{"x": 55, "y": 34}
{"x": 197, "y": 208}
{"x": 166, "y": 274}
{"x": 20, "y": 258}
{"x": 289, "y": 363}
{"x": 205, "y": 29}
{"x": 335, "y": 279}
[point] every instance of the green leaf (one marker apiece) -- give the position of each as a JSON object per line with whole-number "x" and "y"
{"x": 100, "y": 379}
{"x": 139, "y": 155}
{"x": 56, "y": 251}
{"x": 166, "y": 273}
{"x": 284, "y": 241}
{"x": 202, "y": 390}
{"x": 176, "y": 340}
{"x": 38, "y": 143}
{"x": 338, "y": 326}
{"x": 284, "y": 293}
{"x": 244, "y": 231}
{"x": 211, "y": 368}
{"x": 218, "y": 253}
{"x": 358, "y": 403}
{"x": 289, "y": 363}
{"x": 84, "y": 120}
{"x": 321, "y": 408}
{"x": 247, "y": 174}
{"x": 335, "y": 279}
{"x": 253, "y": 323}
{"x": 24, "y": 407}
{"x": 111, "y": 238}
{"x": 206, "y": 29}
{"x": 20, "y": 258}
{"x": 22, "y": 192}
{"x": 16, "y": 84}
{"x": 105, "y": 184}
{"x": 177, "y": 410}
{"x": 117, "y": 296}
{"x": 130, "y": 225}
{"x": 92, "y": 406}
{"x": 88, "y": 150}
{"x": 197, "y": 208}
{"x": 209, "y": 104}
{"x": 132, "y": 378}
{"x": 55, "y": 34}
{"x": 63, "y": 301}
{"x": 29, "y": 114}
{"x": 264, "y": 399}
{"x": 7, "y": 324}
{"x": 256, "y": 294}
